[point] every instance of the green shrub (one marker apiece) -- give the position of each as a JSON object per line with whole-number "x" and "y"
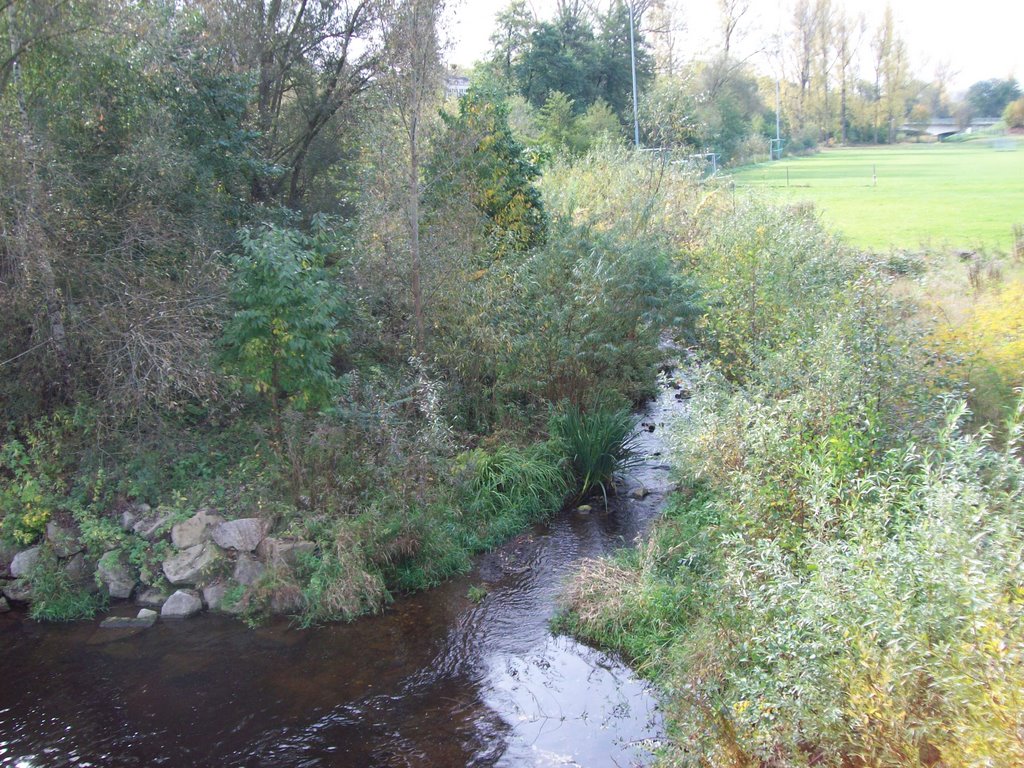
{"x": 285, "y": 328}
{"x": 598, "y": 443}
{"x": 55, "y": 597}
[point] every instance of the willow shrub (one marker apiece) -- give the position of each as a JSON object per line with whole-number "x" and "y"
{"x": 845, "y": 588}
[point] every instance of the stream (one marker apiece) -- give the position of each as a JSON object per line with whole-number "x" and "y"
{"x": 436, "y": 680}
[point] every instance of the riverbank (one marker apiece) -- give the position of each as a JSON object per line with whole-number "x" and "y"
{"x": 468, "y": 673}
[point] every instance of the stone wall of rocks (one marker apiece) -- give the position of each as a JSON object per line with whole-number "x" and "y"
{"x": 214, "y": 564}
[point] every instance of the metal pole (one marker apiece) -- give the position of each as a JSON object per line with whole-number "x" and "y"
{"x": 632, "y": 61}
{"x": 778, "y": 106}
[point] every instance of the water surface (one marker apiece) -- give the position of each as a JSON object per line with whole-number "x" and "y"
{"x": 437, "y": 680}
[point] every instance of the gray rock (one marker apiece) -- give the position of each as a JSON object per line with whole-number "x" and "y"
{"x": 134, "y": 513}
{"x": 147, "y": 614}
{"x": 64, "y": 539}
{"x": 151, "y": 597}
{"x": 195, "y": 530}
{"x": 4, "y": 605}
{"x": 243, "y": 535}
{"x": 188, "y": 567}
{"x": 24, "y": 561}
{"x": 277, "y": 552}
{"x": 80, "y": 572}
{"x": 116, "y": 574}
{"x": 152, "y": 526}
{"x": 129, "y": 622}
{"x": 248, "y": 570}
{"x": 18, "y": 591}
{"x": 214, "y": 595}
{"x": 286, "y": 599}
{"x": 181, "y": 605}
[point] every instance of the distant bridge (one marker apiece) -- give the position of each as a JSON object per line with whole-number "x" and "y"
{"x": 944, "y": 127}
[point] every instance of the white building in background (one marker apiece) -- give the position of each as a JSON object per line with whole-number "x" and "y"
{"x": 456, "y": 84}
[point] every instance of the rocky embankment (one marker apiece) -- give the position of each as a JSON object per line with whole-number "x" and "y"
{"x": 180, "y": 568}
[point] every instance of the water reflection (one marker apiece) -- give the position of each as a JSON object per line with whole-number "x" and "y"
{"x": 436, "y": 681}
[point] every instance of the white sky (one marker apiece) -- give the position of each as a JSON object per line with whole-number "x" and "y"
{"x": 981, "y": 39}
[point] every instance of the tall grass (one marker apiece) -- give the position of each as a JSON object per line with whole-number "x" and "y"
{"x": 598, "y": 443}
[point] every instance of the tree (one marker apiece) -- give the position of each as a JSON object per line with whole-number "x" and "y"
{"x": 478, "y": 159}
{"x": 284, "y": 330}
{"x": 410, "y": 31}
{"x": 988, "y": 98}
{"x": 310, "y": 61}
{"x": 557, "y": 61}
{"x": 848, "y": 33}
{"x": 1013, "y": 115}
{"x": 557, "y": 124}
{"x": 615, "y": 81}
{"x": 511, "y": 37}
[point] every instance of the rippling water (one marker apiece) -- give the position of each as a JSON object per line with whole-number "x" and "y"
{"x": 438, "y": 680}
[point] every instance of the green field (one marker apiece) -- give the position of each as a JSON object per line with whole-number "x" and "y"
{"x": 953, "y": 195}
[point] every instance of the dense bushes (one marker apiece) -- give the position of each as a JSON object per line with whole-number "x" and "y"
{"x": 841, "y": 582}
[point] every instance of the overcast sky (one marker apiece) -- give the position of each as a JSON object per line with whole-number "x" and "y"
{"x": 982, "y": 39}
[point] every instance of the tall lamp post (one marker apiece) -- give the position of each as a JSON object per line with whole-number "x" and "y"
{"x": 632, "y": 61}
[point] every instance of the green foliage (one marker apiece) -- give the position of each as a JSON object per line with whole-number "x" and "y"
{"x": 506, "y": 489}
{"x": 285, "y": 329}
{"x": 599, "y": 443}
{"x": 1013, "y": 115}
{"x": 476, "y": 593}
{"x": 764, "y": 272}
{"x": 477, "y": 158}
{"x": 846, "y": 581}
{"x": 988, "y": 98}
{"x": 34, "y": 470}
{"x": 55, "y": 597}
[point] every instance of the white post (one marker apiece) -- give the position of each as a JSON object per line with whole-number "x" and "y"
{"x": 632, "y": 61}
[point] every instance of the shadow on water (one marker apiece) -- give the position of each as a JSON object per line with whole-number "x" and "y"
{"x": 437, "y": 680}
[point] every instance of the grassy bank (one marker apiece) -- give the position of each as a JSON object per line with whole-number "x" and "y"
{"x": 915, "y": 196}
{"x": 839, "y": 583}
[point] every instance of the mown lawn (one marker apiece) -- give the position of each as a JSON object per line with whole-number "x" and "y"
{"x": 956, "y": 195}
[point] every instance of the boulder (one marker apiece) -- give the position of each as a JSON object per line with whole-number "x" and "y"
{"x": 23, "y": 562}
{"x": 64, "y": 539}
{"x": 18, "y": 591}
{"x": 277, "y": 552}
{"x": 151, "y": 597}
{"x": 286, "y": 599}
{"x": 4, "y": 605}
{"x": 243, "y": 535}
{"x": 80, "y": 572}
{"x": 195, "y": 530}
{"x": 188, "y": 567}
{"x": 215, "y": 594}
{"x": 133, "y": 513}
{"x": 181, "y": 605}
{"x": 640, "y": 493}
{"x": 115, "y": 572}
{"x": 130, "y": 622}
{"x": 248, "y": 570}
{"x": 152, "y": 526}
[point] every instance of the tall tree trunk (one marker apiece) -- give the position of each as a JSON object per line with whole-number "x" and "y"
{"x": 414, "y": 231}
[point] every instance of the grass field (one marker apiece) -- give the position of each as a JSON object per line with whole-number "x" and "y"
{"x": 953, "y": 195}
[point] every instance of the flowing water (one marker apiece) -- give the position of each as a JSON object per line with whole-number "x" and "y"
{"x": 437, "y": 680}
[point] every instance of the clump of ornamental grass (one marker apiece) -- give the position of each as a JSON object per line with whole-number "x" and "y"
{"x": 598, "y": 443}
